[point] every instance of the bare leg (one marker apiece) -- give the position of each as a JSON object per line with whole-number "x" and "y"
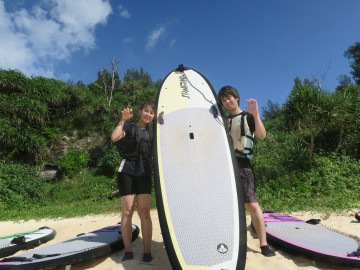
{"x": 257, "y": 219}
{"x": 127, "y": 207}
{"x": 145, "y": 218}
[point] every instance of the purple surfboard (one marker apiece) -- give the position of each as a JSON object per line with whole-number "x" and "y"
{"x": 313, "y": 241}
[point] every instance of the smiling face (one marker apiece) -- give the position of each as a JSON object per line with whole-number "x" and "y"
{"x": 230, "y": 103}
{"x": 146, "y": 115}
{"x": 229, "y": 98}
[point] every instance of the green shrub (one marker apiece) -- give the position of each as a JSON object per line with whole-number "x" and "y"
{"x": 336, "y": 176}
{"x": 19, "y": 185}
{"x": 109, "y": 162}
{"x": 92, "y": 188}
{"x": 73, "y": 161}
{"x": 331, "y": 183}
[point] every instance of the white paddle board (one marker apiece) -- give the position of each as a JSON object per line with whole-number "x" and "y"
{"x": 199, "y": 198}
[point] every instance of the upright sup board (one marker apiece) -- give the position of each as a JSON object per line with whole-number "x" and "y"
{"x": 26, "y": 240}
{"x": 199, "y": 198}
{"x": 312, "y": 241}
{"x": 84, "y": 247}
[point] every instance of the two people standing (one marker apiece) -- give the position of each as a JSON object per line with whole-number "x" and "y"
{"x": 134, "y": 174}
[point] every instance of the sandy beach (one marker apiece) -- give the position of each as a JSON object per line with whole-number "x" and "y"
{"x": 68, "y": 228}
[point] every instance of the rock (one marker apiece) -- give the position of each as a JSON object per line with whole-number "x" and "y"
{"x": 49, "y": 175}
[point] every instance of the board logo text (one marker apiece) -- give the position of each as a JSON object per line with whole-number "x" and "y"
{"x": 184, "y": 87}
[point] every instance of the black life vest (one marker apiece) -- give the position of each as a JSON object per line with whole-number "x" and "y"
{"x": 134, "y": 146}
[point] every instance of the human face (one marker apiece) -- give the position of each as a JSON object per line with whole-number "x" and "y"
{"x": 146, "y": 115}
{"x": 230, "y": 103}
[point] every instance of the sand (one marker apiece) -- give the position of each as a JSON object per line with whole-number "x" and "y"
{"x": 68, "y": 228}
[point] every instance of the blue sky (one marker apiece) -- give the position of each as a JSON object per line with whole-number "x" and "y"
{"x": 258, "y": 46}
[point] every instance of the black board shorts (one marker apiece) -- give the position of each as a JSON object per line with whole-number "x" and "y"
{"x": 130, "y": 184}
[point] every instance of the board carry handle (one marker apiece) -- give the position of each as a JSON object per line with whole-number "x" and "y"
{"x": 313, "y": 221}
{"x": 214, "y": 111}
{"x": 42, "y": 256}
{"x": 160, "y": 118}
{"x": 20, "y": 240}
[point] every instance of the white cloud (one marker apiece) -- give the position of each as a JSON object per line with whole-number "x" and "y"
{"x": 154, "y": 37}
{"x": 13, "y": 49}
{"x": 128, "y": 40}
{"x": 124, "y": 13}
{"x": 173, "y": 43}
{"x": 33, "y": 40}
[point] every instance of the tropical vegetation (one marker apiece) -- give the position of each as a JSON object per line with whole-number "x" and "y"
{"x": 309, "y": 161}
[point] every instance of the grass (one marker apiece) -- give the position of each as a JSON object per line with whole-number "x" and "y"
{"x": 69, "y": 210}
{"x": 84, "y": 194}
{"x": 87, "y": 194}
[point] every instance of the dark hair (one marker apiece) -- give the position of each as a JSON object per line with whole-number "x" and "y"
{"x": 150, "y": 104}
{"x": 228, "y": 91}
{"x": 141, "y": 106}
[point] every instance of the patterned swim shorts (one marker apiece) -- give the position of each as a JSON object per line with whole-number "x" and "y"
{"x": 248, "y": 183}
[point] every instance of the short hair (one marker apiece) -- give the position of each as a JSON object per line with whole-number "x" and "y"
{"x": 228, "y": 91}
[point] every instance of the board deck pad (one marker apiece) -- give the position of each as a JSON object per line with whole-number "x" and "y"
{"x": 315, "y": 242}
{"x": 81, "y": 248}
{"x": 25, "y": 240}
{"x": 200, "y": 204}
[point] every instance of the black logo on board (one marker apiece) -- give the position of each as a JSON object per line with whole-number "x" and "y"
{"x": 184, "y": 87}
{"x": 222, "y": 248}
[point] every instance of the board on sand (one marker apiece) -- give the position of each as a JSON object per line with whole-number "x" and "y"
{"x": 310, "y": 240}
{"x": 199, "y": 198}
{"x": 26, "y": 240}
{"x": 83, "y": 247}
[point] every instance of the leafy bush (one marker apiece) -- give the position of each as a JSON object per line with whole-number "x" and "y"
{"x": 332, "y": 183}
{"x": 108, "y": 163}
{"x": 93, "y": 188}
{"x": 73, "y": 161}
{"x": 19, "y": 185}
